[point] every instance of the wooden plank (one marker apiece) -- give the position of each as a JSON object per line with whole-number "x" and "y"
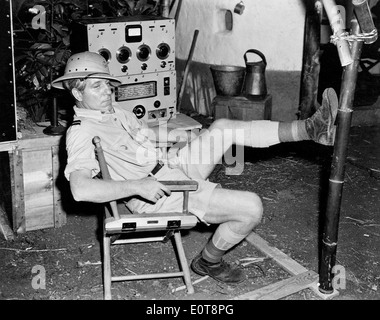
{"x": 39, "y": 142}
{"x": 59, "y": 215}
{"x": 39, "y": 210}
{"x": 282, "y": 288}
{"x": 241, "y": 108}
{"x": 190, "y": 185}
{"x": 37, "y": 182}
{"x": 39, "y": 218}
{"x": 7, "y": 146}
{"x": 37, "y": 160}
{"x": 287, "y": 263}
{"x": 17, "y": 186}
{"x": 37, "y": 200}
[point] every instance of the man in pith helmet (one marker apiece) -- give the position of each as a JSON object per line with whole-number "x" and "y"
{"x": 131, "y": 156}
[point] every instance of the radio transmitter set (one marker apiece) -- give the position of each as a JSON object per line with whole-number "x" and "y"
{"x": 140, "y": 51}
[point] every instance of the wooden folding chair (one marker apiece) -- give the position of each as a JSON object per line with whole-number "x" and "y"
{"x": 138, "y": 228}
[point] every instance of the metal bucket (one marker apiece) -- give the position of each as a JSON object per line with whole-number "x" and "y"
{"x": 228, "y": 80}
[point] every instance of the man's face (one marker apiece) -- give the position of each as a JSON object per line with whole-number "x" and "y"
{"x": 97, "y": 95}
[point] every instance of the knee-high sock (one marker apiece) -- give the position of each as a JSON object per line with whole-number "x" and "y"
{"x": 222, "y": 240}
{"x": 265, "y": 133}
{"x": 292, "y": 131}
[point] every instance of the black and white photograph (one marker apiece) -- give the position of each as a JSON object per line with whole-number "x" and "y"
{"x": 189, "y": 156}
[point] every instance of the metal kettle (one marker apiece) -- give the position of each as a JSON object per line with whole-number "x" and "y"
{"x": 255, "y": 84}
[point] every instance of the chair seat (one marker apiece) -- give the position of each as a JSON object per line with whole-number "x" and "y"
{"x": 149, "y": 222}
{"x": 120, "y": 222}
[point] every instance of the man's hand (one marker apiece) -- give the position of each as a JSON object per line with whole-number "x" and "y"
{"x": 150, "y": 189}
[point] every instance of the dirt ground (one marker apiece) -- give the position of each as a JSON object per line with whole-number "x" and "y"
{"x": 291, "y": 179}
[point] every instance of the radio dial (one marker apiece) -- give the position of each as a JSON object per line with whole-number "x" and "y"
{"x": 143, "y": 52}
{"x": 157, "y": 104}
{"x": 105, "y": 53}
{"x": 123, "y": 55}
{"x": 163, "y": 51}
{"x": 139, "y": 111}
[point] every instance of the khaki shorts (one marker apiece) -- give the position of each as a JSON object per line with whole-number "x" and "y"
{"x": 198, "y": 200}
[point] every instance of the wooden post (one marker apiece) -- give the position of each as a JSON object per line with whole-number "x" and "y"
{"x": 165, "y": 8}
{"x": 189, "y": 59}
{"x": 177, "y": 12}
{"x": 311, "y": 65}
{"x": 336, "y": 181}
{"x": 5, "y": 228}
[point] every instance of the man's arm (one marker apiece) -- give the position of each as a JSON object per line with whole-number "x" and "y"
{"x": 84, "y": 188}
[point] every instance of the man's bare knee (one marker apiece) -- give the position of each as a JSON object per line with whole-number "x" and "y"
{"x": 221, "y": 124}
{"x": 253, "y": 209}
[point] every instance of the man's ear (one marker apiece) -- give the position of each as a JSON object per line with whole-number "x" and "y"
{"x": 76, "y": 94}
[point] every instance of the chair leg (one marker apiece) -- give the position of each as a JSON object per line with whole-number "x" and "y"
{"x": 107, "y": 267}
{"x": 183, "y": 261}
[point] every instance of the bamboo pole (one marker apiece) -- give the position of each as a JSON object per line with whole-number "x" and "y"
{"x": 336, "y": 23}
{"x": 336, "y": 181}
{"x": 311, "y": 64}
{"x": 364, "y": 17}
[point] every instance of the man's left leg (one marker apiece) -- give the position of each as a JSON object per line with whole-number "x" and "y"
{"x": 237, "y": 213}
{"x": 200, "y": 156}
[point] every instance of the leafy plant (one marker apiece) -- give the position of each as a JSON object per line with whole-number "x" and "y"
{"x": 119, "y": 8}
{"x": 41, "y": 54}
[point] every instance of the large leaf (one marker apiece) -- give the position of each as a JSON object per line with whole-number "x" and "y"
{"x": 41, "y": 46}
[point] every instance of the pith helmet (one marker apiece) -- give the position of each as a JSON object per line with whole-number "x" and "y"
{"x": 85, "y": 65}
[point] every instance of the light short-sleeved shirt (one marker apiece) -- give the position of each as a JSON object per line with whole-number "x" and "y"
{"x": 129, "y": 155}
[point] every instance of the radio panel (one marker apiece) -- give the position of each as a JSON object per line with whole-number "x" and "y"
{"x": 140, "y": 51}
{"x": 131, "y": 46}
{"x": 151, "y": 97}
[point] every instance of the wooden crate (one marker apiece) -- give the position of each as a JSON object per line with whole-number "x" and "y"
{"x": 34, "y": 171}
{"x": 242, "y": 108}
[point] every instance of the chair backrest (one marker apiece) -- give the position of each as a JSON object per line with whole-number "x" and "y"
{"x": 184, "y": 186}
{"x": 105, "y": 172}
